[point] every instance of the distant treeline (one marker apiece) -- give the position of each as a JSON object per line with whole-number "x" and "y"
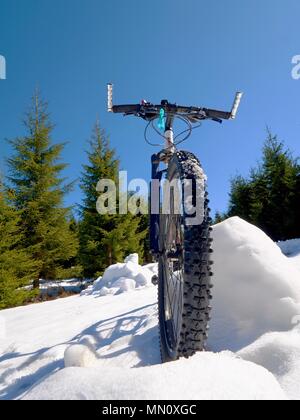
{"x": 39, "y": 237}
{"x": 270, "y": 196}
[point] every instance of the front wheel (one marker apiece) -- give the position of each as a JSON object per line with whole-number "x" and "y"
{"x": 184, "y": 286}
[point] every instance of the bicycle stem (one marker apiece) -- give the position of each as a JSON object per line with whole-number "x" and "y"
{"x": 169, "y": 140}
{"x": 169, "y": 134}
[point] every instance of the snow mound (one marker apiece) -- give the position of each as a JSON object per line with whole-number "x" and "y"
{"x": 206, "y": 376}
{"x": 123, "y": 277}
{"x": 257, "y": 289}
{"x": 279, "y": 352}
{"x": 134, "y": 258}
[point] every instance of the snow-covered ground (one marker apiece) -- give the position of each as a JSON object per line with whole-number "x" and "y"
{"x": 55, "y": 288}
{"x": 104, "y": 343}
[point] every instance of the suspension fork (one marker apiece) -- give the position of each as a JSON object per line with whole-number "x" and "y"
{"x": 156, "y": 177}
{"x": 155, "y": 204}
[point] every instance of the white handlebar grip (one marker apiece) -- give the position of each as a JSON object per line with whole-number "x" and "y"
{"x": 109, "y": 97}
{"x": 236, "y": 104}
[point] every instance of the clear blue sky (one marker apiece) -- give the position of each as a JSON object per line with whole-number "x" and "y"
{"x": 193, "y": 52}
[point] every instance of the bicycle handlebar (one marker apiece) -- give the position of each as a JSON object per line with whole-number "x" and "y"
{"x": 148, "y": 111}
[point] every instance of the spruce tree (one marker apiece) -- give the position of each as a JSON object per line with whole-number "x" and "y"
{"x": 219, "y": 217}
{"x": 104, "y": 238}
{"x": 16, "y": 267}
{"x": 270, "y": 197}
{"x": 37, "y": 192}
{"x": 295, "y": 231}
{"x": 240, "y": 198}
{"x": 275, "y": 187}
{"x": 144, "y": 230}
{"x": 124, "y": 239}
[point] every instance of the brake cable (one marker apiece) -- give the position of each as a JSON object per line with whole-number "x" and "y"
{"x": 161, "y": 126}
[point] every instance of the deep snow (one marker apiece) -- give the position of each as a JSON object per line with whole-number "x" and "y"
{"x": 207, "y": 376}
{"x": 108, "y": 337}
{"x": 257, "y": 289}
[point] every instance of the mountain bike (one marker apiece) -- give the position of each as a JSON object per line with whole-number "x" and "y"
{"x": 180, "y": 225}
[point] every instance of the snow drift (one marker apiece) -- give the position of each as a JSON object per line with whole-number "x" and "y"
{"x": 123, "y": 277}
{"x": 204, "y": 377}
{"x": 107, "y": 340}
{"x": 257, "y": 289}
{"x": 279, "y": 352}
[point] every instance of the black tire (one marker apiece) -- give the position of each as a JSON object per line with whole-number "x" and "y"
{"x": 184, "y": 287}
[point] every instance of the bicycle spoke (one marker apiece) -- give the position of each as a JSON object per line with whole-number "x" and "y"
{"x": 173, "y": 276}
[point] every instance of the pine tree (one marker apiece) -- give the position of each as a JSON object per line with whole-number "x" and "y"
{"x": 275, "y": 187}
{"x": 270, "y": 198}
{"x": 240, "y": 198}
{"x": 122, "y": 240}
{"x": 16, "y": 267}
{"x": 71, "y": 268}
{"x": 37, "y": 192}
{"x": 219, "y": 217}
{"x": 144, "y": 229}
{"x": 104, "y": 238}
{"x": 295, "y": 231}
